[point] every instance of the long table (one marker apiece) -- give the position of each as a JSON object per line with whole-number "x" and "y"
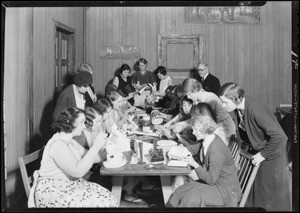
{"x": 165, "y": 172}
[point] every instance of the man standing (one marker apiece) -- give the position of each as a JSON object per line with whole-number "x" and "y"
{"x": 209, "y": 82}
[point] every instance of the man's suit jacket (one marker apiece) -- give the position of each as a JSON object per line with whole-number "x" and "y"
{"x": 211, "y": 84}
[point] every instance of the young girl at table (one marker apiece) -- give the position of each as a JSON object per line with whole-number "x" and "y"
{"x": 213, "y": 180}
{"x": 129, "y": 182}
{"x": 268, "y": 144}
{"x": 193, "y": 89}
{"x": 64, "y": 162}
{"x": 184, "y": 115}
{"x": 121, "y": 106}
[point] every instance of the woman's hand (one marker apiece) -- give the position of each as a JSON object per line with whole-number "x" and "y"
{"x": 179, "y": 127}
{"x": 130, "y": 95}
{"x": 193, "y": 175}
{"x": 190, "y": 160}
{"x": 257, "y": 159}
{"x": 100, "y": 140}
{"x": 152, "y": 86}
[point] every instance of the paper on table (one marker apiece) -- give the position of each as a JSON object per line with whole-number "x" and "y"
{"x": 178, "y": 163}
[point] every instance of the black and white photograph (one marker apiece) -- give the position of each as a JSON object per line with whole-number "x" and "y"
{"x": 148, "y": 106}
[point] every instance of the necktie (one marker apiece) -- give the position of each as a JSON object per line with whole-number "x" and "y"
{"x": 202, "y": 79}
{"x": 241, "y": 123}
{"x": 202, "y": 155}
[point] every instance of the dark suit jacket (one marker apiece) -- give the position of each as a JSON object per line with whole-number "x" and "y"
{"x": 211, "y": 84}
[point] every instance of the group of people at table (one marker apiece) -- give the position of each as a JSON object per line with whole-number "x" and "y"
{"x": 203, "y": 112}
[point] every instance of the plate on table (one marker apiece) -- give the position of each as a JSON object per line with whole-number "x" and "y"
{"x": 162, "y": 143}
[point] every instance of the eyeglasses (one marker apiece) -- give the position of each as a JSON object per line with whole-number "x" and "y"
{"x": 142, "y": 65}
{"x": 201, "y": 70}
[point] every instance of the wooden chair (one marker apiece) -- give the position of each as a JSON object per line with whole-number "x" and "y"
{"x": 234, "y": 147}
{"x": 246, "y": 175}
{"x": 246, "y": 170}
{"x": 26, "y": 172}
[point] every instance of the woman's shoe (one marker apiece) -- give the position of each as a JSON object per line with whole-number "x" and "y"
{"x": 133, "y": 198}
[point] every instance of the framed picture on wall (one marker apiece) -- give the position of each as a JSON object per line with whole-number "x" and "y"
{"x": 240, "y": 15}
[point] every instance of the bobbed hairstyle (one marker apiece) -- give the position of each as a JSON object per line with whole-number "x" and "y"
{"x": 109, "y": 88}
{"x": 161, "y": 69}
{"x": 204, "y": 123}
{"x": 90, "y": 115}
{"x": 186, "y": 99}
{"x": 142, "y": 60}
{"x": 82, "y": 78}
{"x": 85, "y": 67}
{"x": 232, "y": 91}
{"x": 124, "y": 67}
{"x": 114, "y": 95}
{"x": 64, "y": 122}
{"x": 202, "y": 109}
{"x": 103, "y": 105}
{"x": 189, "y": 101}
{"x": 191, "y": 85}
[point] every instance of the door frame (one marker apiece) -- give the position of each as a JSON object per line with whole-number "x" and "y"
{"x": 69, "y": 32}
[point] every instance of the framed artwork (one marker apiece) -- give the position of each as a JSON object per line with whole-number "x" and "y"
{"x": 120, "y": 52}
{"x": 242, "y": 15}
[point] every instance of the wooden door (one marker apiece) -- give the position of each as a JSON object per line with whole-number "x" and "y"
{"x": 64, "y": 56}
{"x": 179, "y": 54}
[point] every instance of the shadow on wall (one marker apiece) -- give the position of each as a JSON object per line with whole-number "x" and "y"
{"x": 46, "y": 131}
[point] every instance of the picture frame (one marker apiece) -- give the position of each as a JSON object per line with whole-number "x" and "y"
{"x": 232, "y": 15}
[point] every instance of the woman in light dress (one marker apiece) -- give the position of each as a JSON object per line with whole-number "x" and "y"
{"x": 65, "y": 162}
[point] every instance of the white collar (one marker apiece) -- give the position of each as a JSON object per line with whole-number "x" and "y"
{"x": 207, "y": 142}
{"x": 205, "y": 76}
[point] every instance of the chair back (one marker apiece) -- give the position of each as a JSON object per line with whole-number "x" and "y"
{"x": 246, "y": 174}
{"x": 33, "y": 159}
{"x": 234, "y": 147}
{"x": 246, "y": 170}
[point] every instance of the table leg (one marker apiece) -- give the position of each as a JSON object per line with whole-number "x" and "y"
{"x": 166, "y": 185}
{"x": 116, "y": 189}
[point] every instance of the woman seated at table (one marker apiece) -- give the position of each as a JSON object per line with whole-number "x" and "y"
{"x": 121, "y": 106}
{"x": 173, "y": 96}
{"x": 64, "y": 163}
{"x": 213, "y": 180}
{"x": 165, "y": 80}
{"x": 194, "y": 90}
{"x": 130, "y": 182}
{"x": 185, "y": 107}
{"x": 123, "y": 83}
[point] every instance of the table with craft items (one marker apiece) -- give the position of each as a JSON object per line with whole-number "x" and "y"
{"x": 165, "y": 172}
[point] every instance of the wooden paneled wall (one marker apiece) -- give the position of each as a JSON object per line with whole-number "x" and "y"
{"x": 257, "y": 57}
{"x": 29, "y": 82}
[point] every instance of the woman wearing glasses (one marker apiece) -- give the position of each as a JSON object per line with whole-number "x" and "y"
{"x": 73, "y": 95}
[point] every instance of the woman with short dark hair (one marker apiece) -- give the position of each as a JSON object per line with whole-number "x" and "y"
{"x": 123, "y": 82}
{"x": 73, "y": 95}
{"x": 65, "y": 162}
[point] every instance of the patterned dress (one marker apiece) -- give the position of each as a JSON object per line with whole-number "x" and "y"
{"x": 55, "y": 188}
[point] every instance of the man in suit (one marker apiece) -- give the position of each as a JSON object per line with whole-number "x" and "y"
{"x": 209, "y": 82}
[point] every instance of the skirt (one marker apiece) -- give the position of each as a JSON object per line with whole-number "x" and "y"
{"x": 52, "y": 192}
